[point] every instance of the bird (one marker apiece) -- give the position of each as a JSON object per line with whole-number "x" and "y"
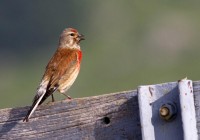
{"x": 62, "y": 69}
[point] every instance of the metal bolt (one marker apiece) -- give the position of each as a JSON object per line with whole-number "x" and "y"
{"x": 168, "y": 111}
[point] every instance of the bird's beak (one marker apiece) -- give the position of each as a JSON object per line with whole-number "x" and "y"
{"x": 81, "y": 37}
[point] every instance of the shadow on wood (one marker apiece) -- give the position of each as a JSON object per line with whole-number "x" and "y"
{"x": 12, "y": 119}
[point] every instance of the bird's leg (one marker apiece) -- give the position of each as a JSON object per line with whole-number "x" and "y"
{"x": 53, "y": 100}
{"x": 67, "y": 96}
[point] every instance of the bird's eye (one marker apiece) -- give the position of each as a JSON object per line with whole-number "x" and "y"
{"x": 72, "y": 34}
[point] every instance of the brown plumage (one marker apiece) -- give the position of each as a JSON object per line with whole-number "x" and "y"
{"x": 62, "y": 69}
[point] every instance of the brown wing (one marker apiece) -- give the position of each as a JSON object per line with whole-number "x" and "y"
{"x": 61, "y": 63}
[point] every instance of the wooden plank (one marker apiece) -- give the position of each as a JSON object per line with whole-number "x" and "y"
{"x": 196, "y": 92}
{"x": 111, "y": 116}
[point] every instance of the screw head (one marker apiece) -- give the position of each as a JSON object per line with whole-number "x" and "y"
{"x": 168, "y": 111}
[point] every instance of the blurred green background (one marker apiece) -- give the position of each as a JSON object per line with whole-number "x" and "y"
{"x": 128, "y": 43}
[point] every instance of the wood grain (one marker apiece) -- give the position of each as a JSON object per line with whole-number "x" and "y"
{"x": 112, "y": 116}
{"x": 196, "y": 91}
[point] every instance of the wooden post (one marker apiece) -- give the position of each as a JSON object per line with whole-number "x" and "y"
{"x": 111, "y": 116}
{"x": 105, "y": 117}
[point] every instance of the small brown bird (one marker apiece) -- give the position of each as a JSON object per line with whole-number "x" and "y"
{"x": 62, "y": 69}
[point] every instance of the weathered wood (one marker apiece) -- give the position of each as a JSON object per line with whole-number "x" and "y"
{"x": 112, "y": 116}
{"x": 196, "y": 91}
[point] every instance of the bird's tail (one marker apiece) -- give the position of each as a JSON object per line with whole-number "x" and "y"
{"x": 36, "y": 101}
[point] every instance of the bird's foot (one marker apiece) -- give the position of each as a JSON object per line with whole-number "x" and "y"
{"x": 50, "y": 102}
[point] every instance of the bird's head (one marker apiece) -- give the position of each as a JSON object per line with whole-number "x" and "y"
{"x": 70, "y": 38}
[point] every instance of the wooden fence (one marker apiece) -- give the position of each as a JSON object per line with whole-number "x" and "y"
{"x": 115, "y": 116}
